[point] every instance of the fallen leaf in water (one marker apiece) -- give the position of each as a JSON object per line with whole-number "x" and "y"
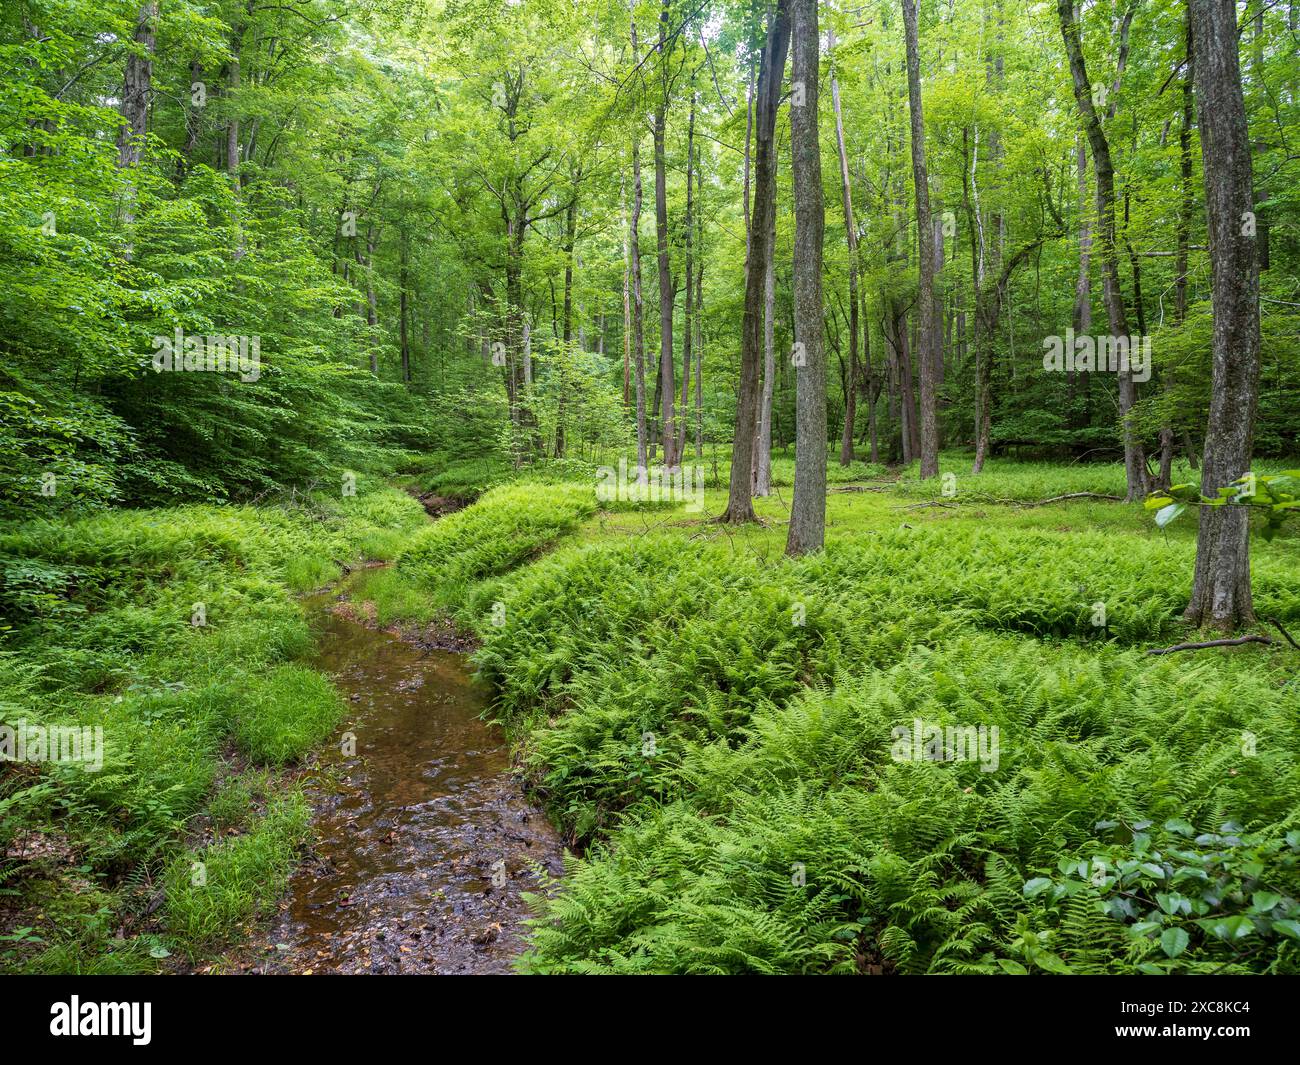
{"x": 488, "y": 935}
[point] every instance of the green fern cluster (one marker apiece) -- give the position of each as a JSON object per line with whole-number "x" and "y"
{"x": 508, "y": 526}
{"x": 720, "y": 729}
{"x": 918, "y": 866}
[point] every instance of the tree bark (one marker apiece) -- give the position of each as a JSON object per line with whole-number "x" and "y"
{"x": 1221, "y": 586}
{"x": 927, "y": 310}
{"x": 808, "y": 510}
{"x": 763, "y": 438}
{"x": 137, "y": 82}
{"x": 1134, "y": 456}
{"x": 1186, "y": 209}
{"x": 851, "y": 236}
{"x": 740, "y": 506}
{"x": 638, "y": 306}
{"x": 699, "y": 338}
{"x": 627, "y": 304}
{"x": 403, "y": 302}
{"x": 688, "y": 319}
{"x": 666, "y": 293}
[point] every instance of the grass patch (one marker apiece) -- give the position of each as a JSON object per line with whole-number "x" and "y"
{"x": 175, "y": 631}
{"x": 213, "y": 893}
{"x": 505, "y": 528}
{"x": 278, "y": 718}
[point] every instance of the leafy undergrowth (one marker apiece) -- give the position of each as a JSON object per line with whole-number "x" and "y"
{"x": 508, "y": 526}
{"x": 175, "y": 632}
{"x": 721, "y": 730}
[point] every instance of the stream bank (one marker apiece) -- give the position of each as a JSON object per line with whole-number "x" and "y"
{"x": 425, "y": 841}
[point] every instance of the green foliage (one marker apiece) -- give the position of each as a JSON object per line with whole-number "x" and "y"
{"x": 508, "y": 526}
{"x": 1277, "y": 496}
{"x": 213, "y": 892}
{"x": 102, "y": 634}
{"x": 716, "y": 727}
{"x": 280, "y": 717}
{"x": 1223, "y": 901}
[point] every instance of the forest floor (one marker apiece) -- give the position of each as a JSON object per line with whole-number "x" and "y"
{"x": 707, "y": 723}
{"x": 423, "y": 839}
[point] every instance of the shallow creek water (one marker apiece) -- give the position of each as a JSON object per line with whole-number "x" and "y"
{"x": 424, "y": 840}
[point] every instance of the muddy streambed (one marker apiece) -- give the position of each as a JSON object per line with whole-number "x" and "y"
{"x": 424, "y": 842}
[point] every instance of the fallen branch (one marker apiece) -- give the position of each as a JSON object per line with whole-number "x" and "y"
{"x": 862, "y": 488}
{"x": 1274, "y": 621}
{"x": 1236, "y": 641}
{"x": 932, "y": 503}
{"x": 1071, "y": 495}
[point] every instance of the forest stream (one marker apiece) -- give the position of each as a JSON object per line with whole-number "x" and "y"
{"x": 406, "y": 872}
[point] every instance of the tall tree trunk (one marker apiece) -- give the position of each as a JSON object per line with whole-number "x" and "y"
{"x": 1134, "y": 456}
{"x": 403, "y": 301}
{"x": 688, "y": 322}
{"x": 808, "y": 509}
{"x": 372, "y": 314}
{"x": 232, "y": 119}
{"x": 763, "y": 438}
{"x": 699, "y": 338}
{"x": 666, "y": 292}
{"x": 740, "y": 506}
{"x": 1083, "y": 284}
{"x": 570, "y": 240}
{"x": 1221, "y": 585}
{"x": 1187, "y": 204}
{"x": 638, "y": 305}
{"x": 749, "y": 142}
{"x": 192, "y": 123}
{"x": 851, "y": 236}
{"x": 137, "y": 82}
{"x": 927, "y": 310}
{"x": 1186, "y": 207}
{"x": 872, "y": 382}
{"x": 627, "y": 304}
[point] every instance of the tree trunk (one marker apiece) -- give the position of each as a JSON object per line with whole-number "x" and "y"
{"x": 136, "y": 85}
{"x": 1186, "y": 209}
{"x": 749, "y": 142}
{"x": 137, "y": 82}
{"x": 699, "y": 338}
{"x": 872, "y": 384}
{"x": 927, "y": 311}
{"x": 689, "y": 321}
{"x": 372, "y": 314}
{"x": 808, "y": 510}
{"x": 627, "y": 305}
{"x": 570, "y": 240}
{"x": 1221, "y": 585}
{"x": 763, "y": 438}
{"x": 638, "y": 306}
{"x": 1134, "y": 457}
{"x": 402, "y": 279}
{"x": 740, "y": 506}
{"x": 1083, "y": 285}
{"x": 666, "y": 293}
{"x": 851, "y": 236}
{"x": 232, "y": 120}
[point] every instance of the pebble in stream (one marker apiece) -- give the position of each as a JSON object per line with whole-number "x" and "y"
{"x": 424, "y": 840}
